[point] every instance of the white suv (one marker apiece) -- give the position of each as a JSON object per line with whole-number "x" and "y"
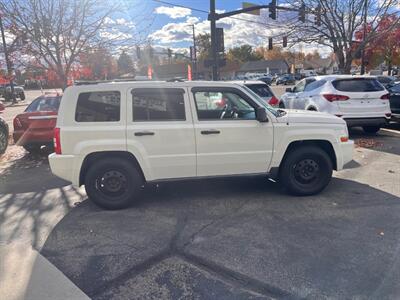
{"x": 359, "y": 100}
{"x": 114, "y": 137}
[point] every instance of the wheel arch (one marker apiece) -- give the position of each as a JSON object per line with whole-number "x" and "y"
{"x": 94, "y": 156}
{"x": 322, "y": 144}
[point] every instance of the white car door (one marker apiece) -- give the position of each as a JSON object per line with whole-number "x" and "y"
{"x": 229, "y": 139}
{"x": 160, "y": 132}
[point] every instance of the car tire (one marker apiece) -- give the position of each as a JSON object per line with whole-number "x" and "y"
{"x": 3, "y": 139}
{"x": 113, "y": 183}
{"x": 306, "y": 171}
{"x": 371, "y": 129}
{"x": 32, "y": 148}
{"x": 22, "y": 96}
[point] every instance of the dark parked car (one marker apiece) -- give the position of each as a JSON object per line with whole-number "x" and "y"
{"x": 3, "y": 132}
{"x": 266, "y": 79}
{"x": 286, "y": 79}
{"x": 5, "y": 92}
{"x": 386, "y": 81}
{"x": 394, "y": 98}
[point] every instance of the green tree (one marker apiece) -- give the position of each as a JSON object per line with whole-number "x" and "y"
{"x": 243, "y": 53}
{"x": 203, "y": 42}
{"x": 125, "y": 64}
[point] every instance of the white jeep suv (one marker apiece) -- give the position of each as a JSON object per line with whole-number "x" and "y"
{"x": 359, "y": 100}
{"x": 115, "y": 137}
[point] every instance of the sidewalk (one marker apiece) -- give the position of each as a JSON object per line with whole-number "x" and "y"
{"x": 25, "y": 274}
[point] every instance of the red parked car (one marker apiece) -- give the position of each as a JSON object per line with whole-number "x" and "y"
{"x": 35, "y": 126}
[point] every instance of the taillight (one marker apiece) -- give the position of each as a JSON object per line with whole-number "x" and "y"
{"x": 273, "y": 101}
{"x": 385, "y": 97}
{"x": 334, "y": 97}
{"x": 57, "y": 141}
{"x": 17, "y": 123}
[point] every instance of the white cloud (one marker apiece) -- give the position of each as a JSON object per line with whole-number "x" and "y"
{"x": 174, "y": 12}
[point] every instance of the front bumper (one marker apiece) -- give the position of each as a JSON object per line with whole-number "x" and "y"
{"x": 352, "y": 122}
{"x": 346, "y": 150}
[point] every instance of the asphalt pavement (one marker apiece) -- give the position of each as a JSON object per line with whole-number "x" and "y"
{"x": 241, "y": 238}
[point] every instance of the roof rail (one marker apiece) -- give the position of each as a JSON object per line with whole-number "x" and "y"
{"x": 86, "y": 82}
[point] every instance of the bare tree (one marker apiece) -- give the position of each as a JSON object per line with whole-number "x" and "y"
{"x": 339, "y": 21}
{"x": 58, "y": 31}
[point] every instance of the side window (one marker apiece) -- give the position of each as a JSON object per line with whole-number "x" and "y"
{"x": 300, "y": 86}
{"x": 152, "y": 104}
{"x": 314, "y": 85}
{"x": 395, "y": 89}
{"x": 221, "y": 105}
{"x": 98, "y": 107}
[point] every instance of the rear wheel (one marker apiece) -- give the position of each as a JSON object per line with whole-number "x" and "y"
{"x": 113, "y": 183}
{"x": 371, "y": 129}
{"x": 3, "y": 139}
{"x": 306, "y": 171}
{"x": 22, "y": 96}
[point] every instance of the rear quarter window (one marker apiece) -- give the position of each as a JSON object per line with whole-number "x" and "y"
{"x": 98, "y": 107}
{"x": 260, "y": 89}
{"x": 314, "y": 85}
{"x": 357, "y": 85}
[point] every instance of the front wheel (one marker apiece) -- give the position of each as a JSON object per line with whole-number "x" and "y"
{"x": 371, "y": 129}
{"x": 22, "y": 96}
{"x": 113, "y": 183}
{"x": 306, "y": 171}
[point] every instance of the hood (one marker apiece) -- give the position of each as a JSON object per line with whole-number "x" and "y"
{"x": 304, "y": 116}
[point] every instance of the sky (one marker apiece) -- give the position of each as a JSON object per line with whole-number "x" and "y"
{"x": 167, "y": 23}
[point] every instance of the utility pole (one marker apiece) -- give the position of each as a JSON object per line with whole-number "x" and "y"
{"x": 194, "y": 53}
{"x": 213, "y": 20}
{"x": 8, "y": 62}
{"x": 362, "y": 71}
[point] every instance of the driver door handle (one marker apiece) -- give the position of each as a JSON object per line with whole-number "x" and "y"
{"x": 211, "y": 131}
{"x": 142, "y": 133}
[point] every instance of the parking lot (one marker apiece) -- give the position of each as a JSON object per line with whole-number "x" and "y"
{"x": 210, "y": 239}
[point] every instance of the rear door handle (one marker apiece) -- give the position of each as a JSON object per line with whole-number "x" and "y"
{"x": 142, "y": 133}
{"x": 211, "y": 131}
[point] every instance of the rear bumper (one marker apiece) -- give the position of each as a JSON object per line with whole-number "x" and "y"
{"x": 33, "y": 136}
{"x": 63, "y": 166}
{"x": 351, "y": 122}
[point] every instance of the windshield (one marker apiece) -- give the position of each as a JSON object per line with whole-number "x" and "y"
{"x": 261, "y": 101}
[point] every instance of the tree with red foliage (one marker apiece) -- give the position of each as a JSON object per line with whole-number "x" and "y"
{"x": 383, "y": 47}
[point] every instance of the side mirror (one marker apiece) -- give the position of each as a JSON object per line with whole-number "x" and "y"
{"x": 261, "y": 115}
{"x": 289, "y": 90}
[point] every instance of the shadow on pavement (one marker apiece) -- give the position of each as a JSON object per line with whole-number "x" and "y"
{"x": 234, "y": 239}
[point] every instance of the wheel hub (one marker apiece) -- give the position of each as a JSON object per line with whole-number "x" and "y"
{"x": 112, "y": 182}
{"x": 306, "y": 170}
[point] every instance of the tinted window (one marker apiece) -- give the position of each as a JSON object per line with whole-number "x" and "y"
{"x": 385, "y": 80}
{"x": 98, "y": 107}
{"x": 314, "y": 85}
{"x": 158, "y": 105}
{"x": 44, "y": 104}
{"x": 222, "y": 105}
{"x": 357, "y": 85}
{"x": 260, "y": 89}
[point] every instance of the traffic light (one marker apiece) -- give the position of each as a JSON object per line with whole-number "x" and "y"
{"x": 272, "y": 10}
{"x": 270, "y": 44}
{"x": 318, "y": 15}
{"x": 284, "y": 41}
{"x": 302, "y": 13}
{"x": 138, "y": 52}
{"x": 169, "y": 52}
